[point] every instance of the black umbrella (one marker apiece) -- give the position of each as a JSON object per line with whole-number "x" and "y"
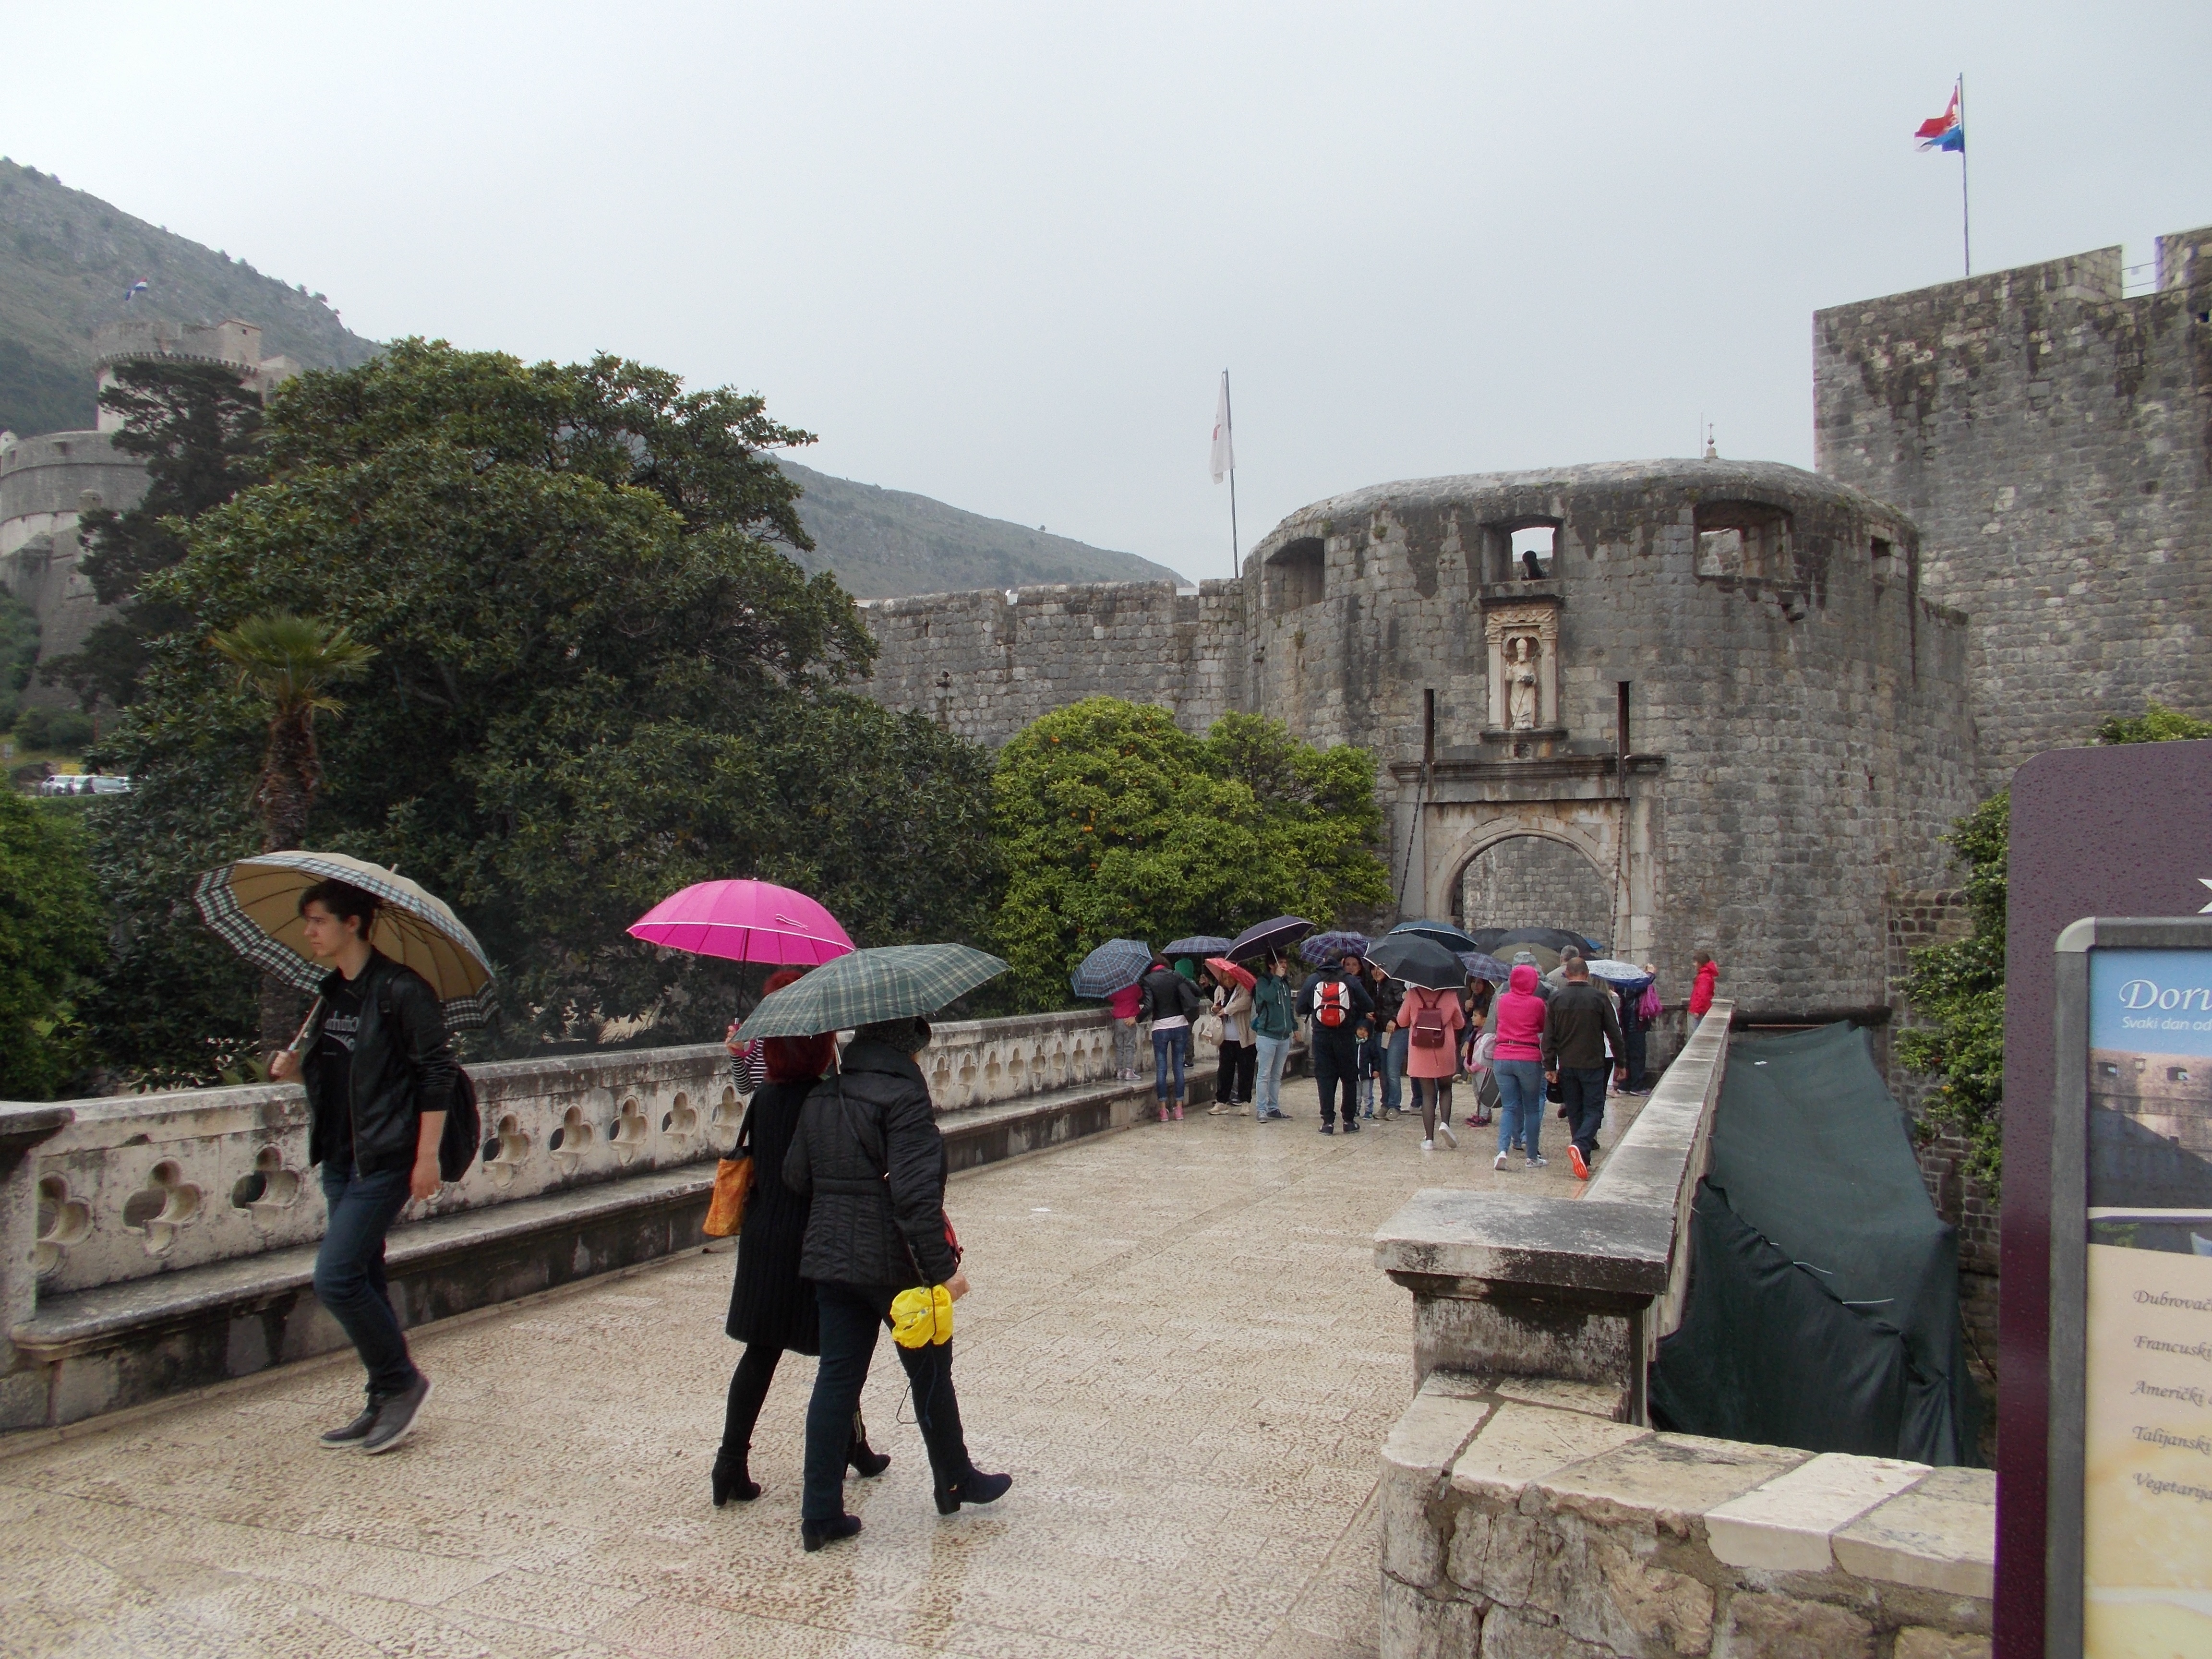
{"x": 1451, "y": 938}
{"x": 1552, "y": 939}
{"x": 1198, "y": 944}
{"x": 1268, "y": 938}
{"x": 1418, "y": 960}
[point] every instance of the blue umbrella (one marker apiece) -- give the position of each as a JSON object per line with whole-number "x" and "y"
{"x": 1443, "y": 932}
{"x": 1264, "y": 938}
{"x": 1484, "y": 967}
{"x": 1333, "y": 947}
{"x": 1114, "y": 966}
{"x": 1198, "y": 944}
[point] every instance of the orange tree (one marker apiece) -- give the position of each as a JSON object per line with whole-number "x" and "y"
{"x": 1110, "y": 821}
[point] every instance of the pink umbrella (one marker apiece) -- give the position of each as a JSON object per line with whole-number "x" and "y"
{"x": 744, "y": 922}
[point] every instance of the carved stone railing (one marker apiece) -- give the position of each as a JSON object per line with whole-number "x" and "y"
{"x": 137, "y": 1185}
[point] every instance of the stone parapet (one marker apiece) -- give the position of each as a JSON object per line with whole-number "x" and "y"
{"x": 1581, "y": 1289}
{"x": 1520, "y": 1518}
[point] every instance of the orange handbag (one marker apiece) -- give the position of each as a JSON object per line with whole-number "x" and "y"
{"x": 733, "y": 1185}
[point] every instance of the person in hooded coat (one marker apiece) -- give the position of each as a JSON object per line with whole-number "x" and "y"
{"x": 1516, "y": 1061}
{"x": 869, "y": 1154}
{"x": 772, "y": 1311}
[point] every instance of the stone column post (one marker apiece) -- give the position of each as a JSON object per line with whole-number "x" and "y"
{"x": 22, "y": 1130}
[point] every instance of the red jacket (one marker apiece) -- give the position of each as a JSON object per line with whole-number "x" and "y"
{"x": 1701, "y": 994}
{"x": 1518, "y": 1018}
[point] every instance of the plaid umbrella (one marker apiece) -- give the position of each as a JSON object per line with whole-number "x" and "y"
{"x": 1482, "y": 967}
{"x": 1114, "y": 966}
{"x": 1198, "y": 944}
{"x": 869, "y": 986}
{"x": 1333, "y": 947}
{"x": 1420, "y": 961}
{"x": 254, "y": 904}
{"x": 1451, "y": 938}
{"x": 1266, "y": 937}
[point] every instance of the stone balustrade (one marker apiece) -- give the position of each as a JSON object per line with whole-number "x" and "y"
{"x": 159, "y": 1240}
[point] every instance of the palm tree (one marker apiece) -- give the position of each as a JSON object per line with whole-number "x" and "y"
{"x": 290, "y": 663}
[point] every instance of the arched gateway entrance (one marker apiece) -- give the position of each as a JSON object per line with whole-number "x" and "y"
{"x": 1535, "y": 881}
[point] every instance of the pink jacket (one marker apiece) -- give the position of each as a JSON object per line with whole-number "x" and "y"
{"x": 1432, "y": 1062}
{"x": 1518, "y": 1018}
{"x": 1123, "y": 1002}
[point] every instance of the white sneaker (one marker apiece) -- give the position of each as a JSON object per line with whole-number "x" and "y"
{"x": 1450, "y": 1139}
{"x": 1501, "y": 1162}
{"x": 1428, "y": 1145}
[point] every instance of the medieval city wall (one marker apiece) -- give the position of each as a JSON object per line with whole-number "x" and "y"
{"x": 1797, "y": 711}
{"x": 2052, "y": 439}
{"x": 985, "y": 665}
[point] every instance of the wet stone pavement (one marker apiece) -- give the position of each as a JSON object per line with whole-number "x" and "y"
{"x": 1178, "y": 1344}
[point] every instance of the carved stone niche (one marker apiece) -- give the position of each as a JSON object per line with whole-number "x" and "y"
{"x": 1523, "y": 634}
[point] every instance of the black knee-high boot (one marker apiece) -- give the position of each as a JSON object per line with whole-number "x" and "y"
{"x": 748, "y": 1392}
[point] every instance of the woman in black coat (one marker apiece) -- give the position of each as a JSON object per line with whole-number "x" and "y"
{"x": 869, "y": 1154}
{"x": 772, "y": 1310}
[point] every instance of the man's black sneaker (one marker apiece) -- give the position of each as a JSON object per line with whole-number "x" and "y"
{"x": 350, "y": 1437}
{"x": 395, "y": 1416}
{"x": 1328, "y": 1129}
{"x": 1352, "y": 1126}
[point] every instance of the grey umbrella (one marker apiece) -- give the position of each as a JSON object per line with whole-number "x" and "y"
{"x": 869, "y": 986}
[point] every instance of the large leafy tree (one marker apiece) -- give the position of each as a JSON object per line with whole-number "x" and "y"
{"x": 197, "y": 427}
{"x": 1957, "y": 990}
{"x": 598, "y": 677}
{"x": 50, "y": 940}
{"x": 1113, "y": 822}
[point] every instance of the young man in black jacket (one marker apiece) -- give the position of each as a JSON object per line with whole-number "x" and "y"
{"x": 1340, "y": 1012}
{"x": 379, "y": 1071}
{"x": 869, "y": 1156}
{"x": 1578, "y": 1023}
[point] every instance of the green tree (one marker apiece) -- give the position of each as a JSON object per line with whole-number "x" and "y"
{"x": 599, "y": 676}
{"x": 197, "y": 427}
{"x": 50, "y": 938}
{"x": 18, "y": 653}
{"x": 1111, "y": 821}
{"x": 289, "y": 664}
{"x": 1957, "y": 990}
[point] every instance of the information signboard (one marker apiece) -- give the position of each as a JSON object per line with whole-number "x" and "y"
{"x": 2131, "y": 1292}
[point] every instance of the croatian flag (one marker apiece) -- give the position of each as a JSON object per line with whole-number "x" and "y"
{"x": 134, "y": 290}
{"x": 1224, "y": 447}
{"x": 1944, "y": 132}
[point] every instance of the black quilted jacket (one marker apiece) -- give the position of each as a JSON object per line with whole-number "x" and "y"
{"x": 863, "y": 1229}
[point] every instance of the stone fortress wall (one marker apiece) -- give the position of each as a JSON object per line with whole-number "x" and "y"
{"x": 2050, "y": 436}
{"x": 47, "y": 483}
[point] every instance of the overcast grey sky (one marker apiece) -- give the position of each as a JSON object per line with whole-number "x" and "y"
{"x": 999, "y": 254}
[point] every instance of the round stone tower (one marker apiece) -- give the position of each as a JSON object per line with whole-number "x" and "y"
{"x": 1671, "y": 704}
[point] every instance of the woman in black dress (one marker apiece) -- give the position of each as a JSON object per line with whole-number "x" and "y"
{"x": 771, "y": 1310}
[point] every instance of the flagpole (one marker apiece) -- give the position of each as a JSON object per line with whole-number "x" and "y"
{"x": 1236, "y": 551}
{"x": 1965, "y": 219}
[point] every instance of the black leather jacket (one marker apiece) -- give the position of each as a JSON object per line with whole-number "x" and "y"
{"x": 862, "y": 1229}
{"x": 403, "y": 1067}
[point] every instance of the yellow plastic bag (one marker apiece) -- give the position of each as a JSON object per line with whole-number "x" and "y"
{"x": 920, "y": 1316}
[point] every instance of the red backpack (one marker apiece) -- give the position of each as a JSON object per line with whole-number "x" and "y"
{"x": 1331, "y": 1003}
{"x": 1429, "y": 1022}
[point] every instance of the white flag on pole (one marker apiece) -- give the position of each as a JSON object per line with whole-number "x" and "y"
{"x": 1224, "y": 454}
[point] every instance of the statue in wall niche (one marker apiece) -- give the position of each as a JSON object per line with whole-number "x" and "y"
{"x": 1520, "y": 686}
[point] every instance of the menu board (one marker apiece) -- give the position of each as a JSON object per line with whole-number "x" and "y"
{"x": 2146, "y": 1441}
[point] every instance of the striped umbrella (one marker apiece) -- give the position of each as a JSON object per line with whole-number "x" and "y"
{"x": 1198, "y": 944}
{"x": 1484, "y": 967}
{"x": 254, "y": 904}
{"x": 1333, "y": 947}
{"x": 867, "y": 986}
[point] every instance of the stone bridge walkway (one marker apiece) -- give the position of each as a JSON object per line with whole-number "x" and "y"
{"x": 1178, "y": 1344}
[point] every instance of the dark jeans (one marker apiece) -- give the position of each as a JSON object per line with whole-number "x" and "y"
{"x": 350, "y": 1270}
{"x": 851, "y": 1317}
{"x": 1168, "y": 1056}
{"x": 1582, "y": 1091}
{"x": 1336, "y": 1059}
{"x": 1240, "y": 1064}
{"x": 1634, "y": 1038}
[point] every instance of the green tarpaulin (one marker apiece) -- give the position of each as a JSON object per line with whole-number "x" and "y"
{"x": 1824, "y": 1288}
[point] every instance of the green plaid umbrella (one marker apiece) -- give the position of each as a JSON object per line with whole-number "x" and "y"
{"x": 254, "y": 904}
{"x": 868, "y": 985}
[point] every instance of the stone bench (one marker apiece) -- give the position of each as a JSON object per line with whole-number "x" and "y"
{"x": 1519, "y": 1515}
